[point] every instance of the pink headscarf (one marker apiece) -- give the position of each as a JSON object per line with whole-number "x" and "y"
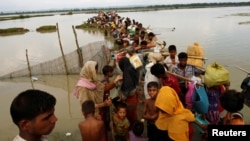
{"x": 88, "y": 77}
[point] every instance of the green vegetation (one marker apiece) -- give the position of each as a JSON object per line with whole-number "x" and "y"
{"x": 68, "y": 13}
{"x": 241, "y": 14}
{"x": 246, "y": 22}
{"x": 86, "y": 25}
{"x": 13, "y": 31}
{"x": 22, "y": 17}
{"x": 46, "y": 29}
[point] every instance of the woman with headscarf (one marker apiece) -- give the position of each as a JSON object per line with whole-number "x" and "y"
{"x": 89, "y": 87}
{"x": 173, "y": 118}
{"x": 129, "y": 88}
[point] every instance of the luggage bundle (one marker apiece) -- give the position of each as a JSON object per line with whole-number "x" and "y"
{"x": 215, "y": 75}
{"x": 195, "y": 55}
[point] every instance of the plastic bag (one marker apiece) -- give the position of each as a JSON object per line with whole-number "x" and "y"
{"x": 200, "y": 100}
{"x": 215, "y": 75}
{"x": 135, "y": 61}
{"x": 189, "y": 95}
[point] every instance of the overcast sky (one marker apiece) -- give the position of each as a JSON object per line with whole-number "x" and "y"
{"x": 34, "y": 5}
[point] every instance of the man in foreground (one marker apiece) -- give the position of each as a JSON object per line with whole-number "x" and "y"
{"x": 33, "y": 113}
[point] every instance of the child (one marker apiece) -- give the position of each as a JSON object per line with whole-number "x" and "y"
{"x": 136, "y": 133}
{"x": 120, "y": 122}
{"x": 233, "y": 102}
{"x": 91, "y": 128}
{"x": 150, "y": 112}
{"x": 33, "y": 113}
{"x": 172, "y": 59}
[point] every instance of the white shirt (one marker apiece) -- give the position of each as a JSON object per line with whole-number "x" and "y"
{"x": 168, "y": 61}
{"x": 18, "y": 138}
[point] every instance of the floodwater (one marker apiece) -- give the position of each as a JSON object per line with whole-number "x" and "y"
{"x": 223, "y": 39}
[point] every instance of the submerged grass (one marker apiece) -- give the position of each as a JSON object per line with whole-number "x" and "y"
{"x": 46, "y": 29}
{"x": 241, "y": 14}
{"x": 22, "y": 17}
{"x": 12, "y": 31}
{"x": 246, "y": 22}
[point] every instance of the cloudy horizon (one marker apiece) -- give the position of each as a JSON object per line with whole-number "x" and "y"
{"x": 31, "y": 5}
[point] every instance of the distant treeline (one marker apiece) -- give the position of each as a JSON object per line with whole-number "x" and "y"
{"x": 136, "y": 8}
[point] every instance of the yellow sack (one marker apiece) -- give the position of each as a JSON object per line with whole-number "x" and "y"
{"x": 215, "y": 75}
{"x": 195, "y": 55}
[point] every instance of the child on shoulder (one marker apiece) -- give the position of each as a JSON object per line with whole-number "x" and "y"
{"x": 92, "y": 129}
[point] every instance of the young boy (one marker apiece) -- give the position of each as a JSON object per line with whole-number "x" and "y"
{"x": 120, "y": 122}
{"x": 91, "y": 128}
{"x": 150, "y": 112}
{"x": 33, "y": 113}
{"x": 172, "y": 59}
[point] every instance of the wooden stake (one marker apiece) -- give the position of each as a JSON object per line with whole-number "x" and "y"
{"x": 79, "y": 50}
{"x": 64, "y": 60}
{"x": 184, "y": 78}
{"x": 27, "y": 58}
{"x": 242, "y": 69}
{"x": 196, "y": 57}
{"x": 237, "y": 67}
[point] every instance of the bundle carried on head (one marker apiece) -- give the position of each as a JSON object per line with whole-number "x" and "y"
{"x": 215, "y": 75}
{"x": 195, "y": 55}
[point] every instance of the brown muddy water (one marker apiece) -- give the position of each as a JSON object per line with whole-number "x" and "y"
{"x": 67, "y": 108}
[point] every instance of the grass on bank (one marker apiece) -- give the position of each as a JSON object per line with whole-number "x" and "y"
{"x": 11, "y": 31}
{"x": 46, "y": 29}
{"x": 246, "y": 22}
{"x": 22, "y": 17}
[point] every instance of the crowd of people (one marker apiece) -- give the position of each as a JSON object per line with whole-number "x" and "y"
{"x": 168, "y": 112}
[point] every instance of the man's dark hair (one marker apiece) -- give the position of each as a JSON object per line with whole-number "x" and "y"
{"x": 232, "y": 101}
{"x": 157, "y": 69}
{"x": 182, "y": 55}
{"x": 153, "y": 84}
{"x": 172, "y": 47}
{"x": 142, "y": 32}
{"x": 106, "y": 69}
{"x": 88, "y": 107}
{"x": 151, "y": 34}
{"x": 30, "y": 103}
{"x": 143, "y": 42}
{"x": 138, "y": 128}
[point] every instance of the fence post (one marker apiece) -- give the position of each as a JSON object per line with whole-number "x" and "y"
{"x": 27, "y": 58}
{"x": 64, "y": 60}
{"x": 79, "y": 50}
